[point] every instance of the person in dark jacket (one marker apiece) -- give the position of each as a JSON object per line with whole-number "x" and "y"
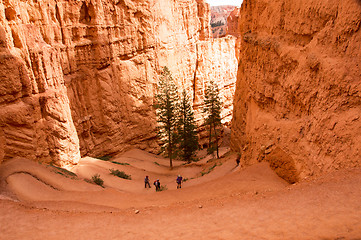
{"x": 157, "y": 185}
{"x": 179, "y": 181}
{"x": 146, "y": 182}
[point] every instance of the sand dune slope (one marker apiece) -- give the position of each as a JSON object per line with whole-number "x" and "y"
{"x": 217, "y": 201}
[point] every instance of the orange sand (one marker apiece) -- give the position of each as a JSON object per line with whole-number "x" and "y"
{"x": 227, "y": 203}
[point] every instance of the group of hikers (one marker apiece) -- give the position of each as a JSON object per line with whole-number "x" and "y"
{"x": 157, "y": 183}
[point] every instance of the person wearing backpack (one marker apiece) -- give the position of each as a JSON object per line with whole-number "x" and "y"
{"x": 157, "y": 185}
{"x": 179, "y": 181}
{"x": 146, "y": 182}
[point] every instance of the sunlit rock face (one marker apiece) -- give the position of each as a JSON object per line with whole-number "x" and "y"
{"x": 219, "y": 18}
{"x": 35, "y": 116}
{"x": 298, "y": 86}
{"x": 215, "y": 61}
{"x": 79, "y": 77}
{"x": 232, "y": 23}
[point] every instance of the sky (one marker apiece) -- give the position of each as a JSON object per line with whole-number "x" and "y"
{"x": 225, "y": 2}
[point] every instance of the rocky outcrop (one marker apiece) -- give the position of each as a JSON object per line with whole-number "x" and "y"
{"x": 216, "y": 61}
{"x": 219, "y": 15}
{"x": 35, "y": 117}
{"x": 232, "y": 23}
{"x": 78, "y": 77}
{"x": 298, "y": 95}
{"x": 111, "y": 73}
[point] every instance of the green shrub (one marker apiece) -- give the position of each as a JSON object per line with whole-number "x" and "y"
{"x": 163, "y": 188}
{"x": 105, "y": 158}
{"x": 209, "y": 170}
{"x": 64, "y": 172}
{"x": 120, "y": 163}
{"x": 156, "y": 163}
{"x": 217, "y": 24}
{"x": 97, "y": 180}
{"x": 120, "y": 174}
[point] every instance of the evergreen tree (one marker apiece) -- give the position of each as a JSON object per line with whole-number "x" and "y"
{"x": 212, "y": 109}
{"x": 166, "y": 110}
{"x": 186, "y": 129}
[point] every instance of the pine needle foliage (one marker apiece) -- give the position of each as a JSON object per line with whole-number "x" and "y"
{"x": 212, "y": 110}
{"x": 166, "y": 111}
{"x": 186, "y": 129}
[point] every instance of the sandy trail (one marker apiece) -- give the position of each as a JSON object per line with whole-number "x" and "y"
{"x": 225, "y": 203}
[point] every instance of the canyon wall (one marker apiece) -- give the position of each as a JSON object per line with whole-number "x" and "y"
{"x": 298, "y": 94}
{"x": 216, "y": 61}
{"x": 219, "y": 15}
{"x": 35, "y": 116}
{"x": 78, "y": 77}
{"x": 232, "y": 23}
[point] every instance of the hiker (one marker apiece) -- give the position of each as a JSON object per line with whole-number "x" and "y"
{"x": 146, "y": 182}
{"x": 179, "y": 181}
{"x": 157, "y": 185}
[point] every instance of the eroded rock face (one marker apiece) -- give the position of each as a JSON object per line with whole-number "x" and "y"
{"x": 78, "y": 77}
{"x": 219, "y": 18}
{"x": 216, "y": 61}
{"x": 35, "y": 117}
{"x": 111, "y": 72}
{"x": 298, "y": 95}
{"x": 232, "y": 23}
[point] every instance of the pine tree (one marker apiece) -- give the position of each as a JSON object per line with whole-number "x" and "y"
{"x": 212, "y": 109}
{"x": 166, "y": 110}
{"x": 186, "y": 128}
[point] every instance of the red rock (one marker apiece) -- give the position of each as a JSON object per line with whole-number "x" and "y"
{"x": 219, "y": 18}
{"x": 299, "y": 83}
{"x": 78, "y": 78}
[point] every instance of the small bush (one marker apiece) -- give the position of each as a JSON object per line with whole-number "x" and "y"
{"x": 120, "y": 174}
{"x": 120, "y": 163}
{"x": 217, "y": 24}
{"x": 209, "y": 170}
{"x": 64, "y": 172}
{"x": 105, "y": 158}
{"x": 97, "y": 180}
{"x": 163, "y": 188}
{"x": 156, "y": 163}
{"x": 185, "y": 179}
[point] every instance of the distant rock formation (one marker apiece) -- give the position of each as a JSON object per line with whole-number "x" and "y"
{"x": 78, "y": 77}
{"x": 232, "y": 23}
{"x": 298, "y": 96}
{"x": 219, "y": 15}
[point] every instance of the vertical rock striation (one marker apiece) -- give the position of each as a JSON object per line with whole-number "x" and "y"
{"x": 216, "y": 61}
{"x": 298, "y": 96}
{"x": 78, "y": 77}
{"x": 232, "y": 23}
{"x": 35, "y": 116}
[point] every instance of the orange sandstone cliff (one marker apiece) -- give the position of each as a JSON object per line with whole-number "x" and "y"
{"x": 78, "y": 77}
{"x": 298, "y": 95}
{"x": 219, "y": 16}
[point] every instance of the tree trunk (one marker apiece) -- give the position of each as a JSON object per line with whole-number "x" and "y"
{"x": 170, "y": 152}
{"x": 215, "y": 135}
{"x": 170, "y": 159}
{"x": 210, "y": 137}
